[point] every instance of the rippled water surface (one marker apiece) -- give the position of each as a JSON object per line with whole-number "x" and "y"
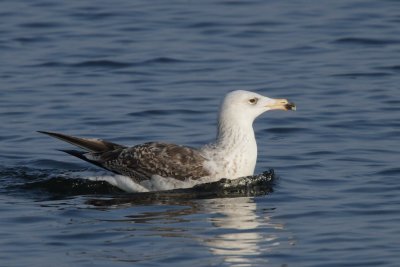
{"x": 136, "y": 71}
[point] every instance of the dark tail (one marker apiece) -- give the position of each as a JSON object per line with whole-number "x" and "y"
{"x": 92, "y": 145}
{"x": 81, "y": 155}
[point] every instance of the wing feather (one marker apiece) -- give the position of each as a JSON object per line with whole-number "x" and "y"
{"x": 142, "y": 161}
{"x": 139, "y": 162}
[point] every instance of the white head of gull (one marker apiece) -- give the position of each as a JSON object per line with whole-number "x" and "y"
{"x": 160, "y": 166}
{"x": 234, "y": 154}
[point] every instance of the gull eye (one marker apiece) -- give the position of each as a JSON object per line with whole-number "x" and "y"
{"x": 253, "y": 100}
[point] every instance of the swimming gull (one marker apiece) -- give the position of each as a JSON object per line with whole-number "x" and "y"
{"x": 232, "y": 155}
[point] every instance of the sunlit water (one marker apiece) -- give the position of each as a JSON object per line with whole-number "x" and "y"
{"x": 136, "y": 71}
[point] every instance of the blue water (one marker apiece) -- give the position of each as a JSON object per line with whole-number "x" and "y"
{"x": 136, "y": 71}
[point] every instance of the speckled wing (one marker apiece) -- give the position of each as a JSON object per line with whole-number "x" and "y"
{"x": 138, "y": 162}
{"x": 142, "y": 161}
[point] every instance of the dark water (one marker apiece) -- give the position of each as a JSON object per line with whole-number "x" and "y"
{"x": 135, "y": 71}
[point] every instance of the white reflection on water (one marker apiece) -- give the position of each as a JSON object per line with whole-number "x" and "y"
{"x": 243, "y": 235}
{"x": 232, "y": 230}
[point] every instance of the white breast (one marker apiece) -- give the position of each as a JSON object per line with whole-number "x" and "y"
{"x": 233, "y": 160}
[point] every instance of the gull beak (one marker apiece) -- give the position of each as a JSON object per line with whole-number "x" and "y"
{"x": 282, "y": 104}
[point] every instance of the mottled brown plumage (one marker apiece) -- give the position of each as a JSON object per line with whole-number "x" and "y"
{"x": 139, "y": 162}
{"x": 168, "y": 160}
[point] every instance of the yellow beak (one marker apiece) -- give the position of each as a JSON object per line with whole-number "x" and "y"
{"x": 282, "y": 104}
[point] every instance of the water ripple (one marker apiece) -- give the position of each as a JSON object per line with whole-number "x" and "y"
{"x": 152, "y": 112}
{"x": 104, "y": 63}
{"x": 98, "y": 63}
{"x": 41, "y": 25}
{"x": 366, "y": 41}
{"x": 363, "y": 74}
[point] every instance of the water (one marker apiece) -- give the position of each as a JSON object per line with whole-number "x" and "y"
{"x": 135, "y": 71}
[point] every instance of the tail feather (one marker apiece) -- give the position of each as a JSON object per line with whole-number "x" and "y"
{"x": 75, "y": 153}
{"x": 81, "y": 155}
{"x": 92, "y": 145}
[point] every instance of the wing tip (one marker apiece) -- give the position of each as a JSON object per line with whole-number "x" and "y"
{"x": 63, "y": 137}
{"x": 46, "y": 132}
{"x": 77, "y": 153}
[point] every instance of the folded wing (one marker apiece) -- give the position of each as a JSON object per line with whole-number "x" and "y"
{"x": 139, "y": 162}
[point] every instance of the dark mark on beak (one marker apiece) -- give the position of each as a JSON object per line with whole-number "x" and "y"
{"x": 290, "y": 106}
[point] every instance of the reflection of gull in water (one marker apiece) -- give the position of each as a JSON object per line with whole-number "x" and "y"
{"x": 230, "y": 228}
{"x": 245, "y": 235}
{"x": 234, "y": 230}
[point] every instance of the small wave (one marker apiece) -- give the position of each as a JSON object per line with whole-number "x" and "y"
{"x": 50, "y": 183}
{"x": 105, "y": 63}
{"x": 50, "y": 64}
{"x": 283, "y": 130}
{"x": 237, "y": 3}
{"x": 201, "y": 25}
{"x": 362, "y": 74}
{"x": 392, "y": 102}
{"x": 102, "y": 63}
{"x": 366, "y": 41}
{"x": 61, "y": 187}
{"x": 162, "y": 60}
{"x": 163, "y": 112}
{"x": 86, "y": 64}
{"x": 41, "y": 25}
{"x": 389, "y": 171}
{"x": 93, "y": 15}
{"x": 391, "y": 68}
{"x": 34, "y": 39}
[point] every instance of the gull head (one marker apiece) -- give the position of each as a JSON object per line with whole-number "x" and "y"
{"x": 249, "y": 105}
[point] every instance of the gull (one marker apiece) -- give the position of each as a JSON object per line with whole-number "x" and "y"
{"x": 232, "y": 155}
